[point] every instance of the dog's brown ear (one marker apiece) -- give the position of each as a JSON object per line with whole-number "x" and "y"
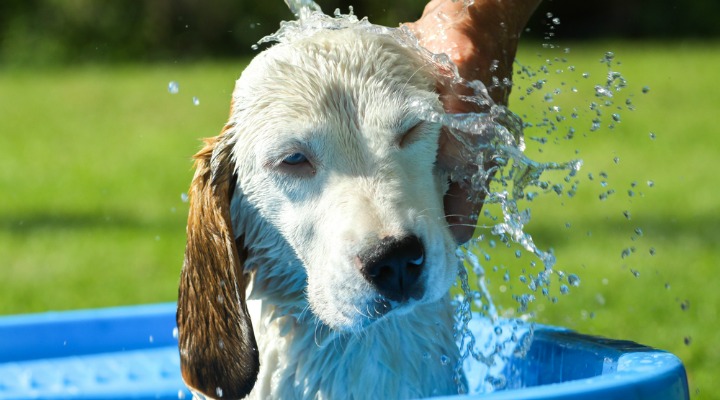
{"x": 218, "y": 352}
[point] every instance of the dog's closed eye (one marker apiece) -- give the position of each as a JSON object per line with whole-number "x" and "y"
{"x": 297, "y": 164}
{"x": 411, "y": 135}
{"x": 295, "y": 159}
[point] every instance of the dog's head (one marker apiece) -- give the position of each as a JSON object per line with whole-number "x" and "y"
{"x": 325, "y": 180}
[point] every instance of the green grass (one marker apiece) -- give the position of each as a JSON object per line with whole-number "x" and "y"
{"x": 93, "y": 163}
{"x": 94, "y": 160}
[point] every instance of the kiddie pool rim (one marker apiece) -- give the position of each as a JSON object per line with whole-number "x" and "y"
{"x": 638, "y": 373}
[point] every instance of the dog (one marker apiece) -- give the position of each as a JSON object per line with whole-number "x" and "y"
{"x": 322, "y": 198}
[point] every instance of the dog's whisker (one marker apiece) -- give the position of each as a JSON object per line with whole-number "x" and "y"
{"x": 366, "y": 315}
{"x": 424, "y": 211}
{"x": 418, "y": 69}
{"x": 305, "y": 311}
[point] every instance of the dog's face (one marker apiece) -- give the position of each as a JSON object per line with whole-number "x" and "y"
{"x": 327, "y": 154}
{"x": 333, "y": 153}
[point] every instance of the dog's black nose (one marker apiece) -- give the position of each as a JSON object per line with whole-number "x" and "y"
{"x": 394, "y": 266}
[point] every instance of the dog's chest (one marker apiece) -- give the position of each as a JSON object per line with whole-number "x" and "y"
{"x": 407, "y": 356}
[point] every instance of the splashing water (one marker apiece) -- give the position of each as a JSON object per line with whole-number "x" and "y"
{"x": 502, "y": 175}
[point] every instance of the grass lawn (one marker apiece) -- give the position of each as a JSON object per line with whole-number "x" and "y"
{"x": 94, "y": 162}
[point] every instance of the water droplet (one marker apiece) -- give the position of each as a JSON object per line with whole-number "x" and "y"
{"x": 556, "y": 21}
{"x": 219, "y": 391}
{"x": 626, "y": 252}
{"x": 221, "y": 299}
{"x": 601, "y": 91}
{"x": 616, "y": 117}
{"x": 687, "y": 340}
{"x": 518, "y": 253}
{"x": 444, "y": 360}
{"x": 175, "y": 333}
{"x": 605, "y": 195}
{"x": 600, "y": 299}
{"x": 609, "y": 56}
{"x": 652, "y": 251}
{"x": 627, "y": 214}
{"x": 184, "y": 197}
{"x": 638, "y": 231}
{"x": 196, "y": 101}
{"x": 635, "y": 272}
{"x": 173, "y": 87}
{"x": 650, "y": 183}
{"x": 616, "y": 160}
{"x": 586, "y": 75}
{"x": 426, "y": 355}
{"x": 498, "y": 330}
{"x": 254, "y": 47}
{"x": 181, "y": 394}
{"x": 645, "y": 89}
{"x": 685, "y": 305}
{"x": 573, "y": 280}
{"x": 652, "y": 136}
{"x": 564, "y": 289}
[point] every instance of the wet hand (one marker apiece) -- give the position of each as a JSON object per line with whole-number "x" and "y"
{"x": 481, "y": 39}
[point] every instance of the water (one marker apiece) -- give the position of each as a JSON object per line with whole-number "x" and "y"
{"x": 495, "y": 137}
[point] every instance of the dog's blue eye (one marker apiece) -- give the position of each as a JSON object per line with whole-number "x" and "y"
{"x": 295, "y": 159}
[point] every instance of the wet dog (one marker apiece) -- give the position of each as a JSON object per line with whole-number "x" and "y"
{"x": 321, "y": 197}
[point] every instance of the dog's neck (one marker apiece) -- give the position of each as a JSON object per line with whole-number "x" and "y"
{"x": 408, "y": 355}
{"x": 412, "y": 355}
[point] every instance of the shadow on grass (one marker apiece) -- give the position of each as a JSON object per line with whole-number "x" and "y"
{"x": 29, "y": 224}
{"x": 704, "y": 229}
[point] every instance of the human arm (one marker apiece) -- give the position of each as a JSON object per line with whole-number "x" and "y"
{"x": 481, "y": 39}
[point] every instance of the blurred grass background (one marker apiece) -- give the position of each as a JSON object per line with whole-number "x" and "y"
{"x": 95, "y": 159}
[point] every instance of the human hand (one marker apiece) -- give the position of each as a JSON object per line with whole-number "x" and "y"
{"x": 481, "y": 39}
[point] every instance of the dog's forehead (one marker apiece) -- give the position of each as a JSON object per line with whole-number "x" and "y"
{"x": 361, "y": 77}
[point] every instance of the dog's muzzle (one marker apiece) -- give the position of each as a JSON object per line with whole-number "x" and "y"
{"x": 394, "y": 266}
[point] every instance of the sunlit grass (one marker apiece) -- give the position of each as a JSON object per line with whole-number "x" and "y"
{"x": 94, "y": 160}
{"x": 93, "y": 164}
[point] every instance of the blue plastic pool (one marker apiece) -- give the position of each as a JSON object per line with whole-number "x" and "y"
{"x": 131, "y": 353}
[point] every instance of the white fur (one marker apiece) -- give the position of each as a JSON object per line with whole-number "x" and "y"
{"x": 343, "y": 98}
